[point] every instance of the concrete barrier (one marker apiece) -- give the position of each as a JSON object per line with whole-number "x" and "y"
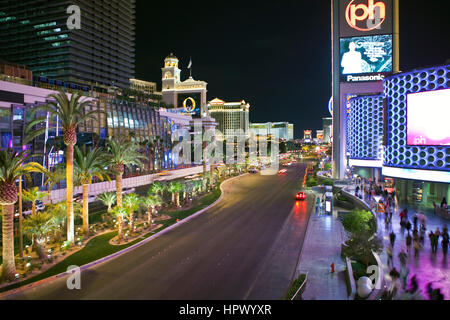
{"x": 95, "y": 189}
{"x": 351, "y": 278}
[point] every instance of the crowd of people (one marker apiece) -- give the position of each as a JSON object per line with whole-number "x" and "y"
{"x": 385, "y": 204}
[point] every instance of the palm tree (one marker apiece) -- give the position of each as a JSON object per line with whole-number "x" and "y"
{"x": 59, "y": 213}
{"x": 151, "y": 202}
{"x": 69, "y": 113}
{"x": 197, "y": 186}
{"x": 108, "y": 199}
{"x": 33, "y": 195}
{"x": 55, "y": 177}
{"x": 131, "y": 203}
{"x": 89, "y": 164}
{"x": 12, "y": 166}
{"x": 157, "y": 188}
{"x": 175, "y": 188}
{"x": 38, "y": 227}
{"x": 119, "y": 212}
{"x": 122, "y": 153}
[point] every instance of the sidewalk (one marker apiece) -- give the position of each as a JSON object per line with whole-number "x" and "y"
{"x": 428, "y": 267}
{"x": 321, "y": 247}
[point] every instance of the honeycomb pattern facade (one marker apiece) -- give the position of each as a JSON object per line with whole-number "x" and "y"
{"x": 396, "y": 89}
{"x": 365, "y": 128}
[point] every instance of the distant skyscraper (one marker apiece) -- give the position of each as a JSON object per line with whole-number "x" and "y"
{"x": 35, "y": 33}
{"x": 282, "y": 130}
{"x": 327, "y": 129}
{"x": 231, "y": 116}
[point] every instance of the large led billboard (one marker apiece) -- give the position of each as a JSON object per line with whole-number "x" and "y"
{"x": 365, "y": 58}
{"x": 428, "y": 115}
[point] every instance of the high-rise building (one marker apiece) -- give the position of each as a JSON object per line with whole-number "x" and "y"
{"x": 231, "y": 117}
{"x": 35, "y": 33}
{"x": 189, "y": 94}
{"x": 327, "y": 129}
{"x": 307, "y": 136}
{"x": 282, "y": 130}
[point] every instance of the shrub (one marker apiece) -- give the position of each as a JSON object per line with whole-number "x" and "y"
{"x": 359, "y": 221}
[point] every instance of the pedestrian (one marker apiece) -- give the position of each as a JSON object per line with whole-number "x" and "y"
{"x": 414, "y": 285}
{"x": 444, "y": 244}
{"x": 415, "y": 221}
{"x": 444, "y": 203}
{"x": 402, "y": 216}
{"x": 317, "y": 204}
{"x": 416, "y": 245}
{"x": 394, "y": 274}
{"x": 408, "y": 226}
{"x": 422, "y": 234}
{"x": 390, "y": 260}
{"x": 408, "y": 242}
{"x": 432, "y": 240}
{"x": 392, "y": 238}
{"x": 402, "y": 256}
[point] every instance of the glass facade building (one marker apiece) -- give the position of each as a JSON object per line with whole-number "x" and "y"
{"x": 34, "y": 33}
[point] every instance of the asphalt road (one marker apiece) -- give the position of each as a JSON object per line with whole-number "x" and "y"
{"x": 246, "y": 247}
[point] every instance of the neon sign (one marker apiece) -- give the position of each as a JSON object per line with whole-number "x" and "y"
{"x": 191, "y": 108}
{"x": 374, "y": 14}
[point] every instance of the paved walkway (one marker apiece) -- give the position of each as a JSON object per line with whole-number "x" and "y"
{"x": 428, "y": 267}
{"x": 321, "y": 247}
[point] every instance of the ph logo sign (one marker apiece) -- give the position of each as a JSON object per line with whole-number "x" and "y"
{"x": 365, "y": 15}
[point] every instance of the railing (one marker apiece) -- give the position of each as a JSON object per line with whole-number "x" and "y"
{"x": 301, "y": 286}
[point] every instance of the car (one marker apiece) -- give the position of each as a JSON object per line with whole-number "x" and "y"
{"x": 39, "y": 205}
{"x": 282, "y": 171}
{"x": 128, "y": 190}
{"x": 300, "y": 196}
{"x": 253, "y": 169}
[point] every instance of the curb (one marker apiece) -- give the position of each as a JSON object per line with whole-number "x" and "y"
{"x": 113, "y": 255}
{"x": 307, "y": 233}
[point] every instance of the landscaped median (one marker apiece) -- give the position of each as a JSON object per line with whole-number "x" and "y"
{"x": 99, "y": 248}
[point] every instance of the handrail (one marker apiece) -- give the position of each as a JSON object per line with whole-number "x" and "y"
{"x": 300, "y": 288}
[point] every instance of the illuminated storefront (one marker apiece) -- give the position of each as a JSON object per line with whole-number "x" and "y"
{"x": 405, "y": 132}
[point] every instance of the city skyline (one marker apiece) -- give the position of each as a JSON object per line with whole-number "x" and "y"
{"x": 246, "y": 51}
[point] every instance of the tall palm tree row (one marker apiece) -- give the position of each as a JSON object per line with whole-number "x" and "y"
{"x": 89, "y": 164}
{"x": 13, "y": 165}
{"x": 69, "y": 113}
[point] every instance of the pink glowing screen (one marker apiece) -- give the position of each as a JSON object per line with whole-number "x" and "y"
{"x": 428, "y": 116}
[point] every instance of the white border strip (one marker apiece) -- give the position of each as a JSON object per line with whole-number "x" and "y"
{"x": 365, "y": 163}
{"x": 416, "y": 174}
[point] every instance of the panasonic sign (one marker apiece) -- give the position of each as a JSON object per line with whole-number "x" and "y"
{"x": 377, "y": 77}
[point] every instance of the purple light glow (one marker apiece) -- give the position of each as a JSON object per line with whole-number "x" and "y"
{"x": 428, "y": 114}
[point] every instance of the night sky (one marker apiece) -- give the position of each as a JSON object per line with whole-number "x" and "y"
{"x": 276, "y": 55}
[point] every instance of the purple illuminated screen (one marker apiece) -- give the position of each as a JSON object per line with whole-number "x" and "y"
{"x": 428, "y": 122}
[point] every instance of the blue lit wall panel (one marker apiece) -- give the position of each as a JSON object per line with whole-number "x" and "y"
{"x": 365, "y": 128}
{"x": 396, "y": 89}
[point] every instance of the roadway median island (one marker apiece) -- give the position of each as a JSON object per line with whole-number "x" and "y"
{"x": 99, "y": 248}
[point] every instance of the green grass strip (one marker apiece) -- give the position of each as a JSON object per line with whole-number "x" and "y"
{"x": 99, "y": 247}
